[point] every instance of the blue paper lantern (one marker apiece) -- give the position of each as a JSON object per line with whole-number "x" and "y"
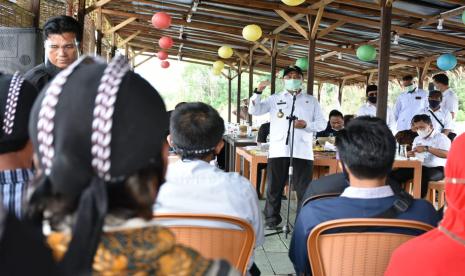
{"x": 446, "y": 62}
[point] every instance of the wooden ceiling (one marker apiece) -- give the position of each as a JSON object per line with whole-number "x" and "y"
{"x": 199, "y": 28}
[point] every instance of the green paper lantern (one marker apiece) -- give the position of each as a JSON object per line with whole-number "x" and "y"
{"x": 366, "y": 52}
{"x": 302, "y": 63}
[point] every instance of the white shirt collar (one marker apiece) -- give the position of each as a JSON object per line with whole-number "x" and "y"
{"x": 367, "y": 193}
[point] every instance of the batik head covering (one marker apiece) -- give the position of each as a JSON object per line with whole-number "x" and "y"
{"x": 454, "y": 217}
{"x": 16, "y": 99}
{"x": 95, "y": 125}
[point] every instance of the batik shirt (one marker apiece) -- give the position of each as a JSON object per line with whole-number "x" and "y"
{"x": 13, "y": 189}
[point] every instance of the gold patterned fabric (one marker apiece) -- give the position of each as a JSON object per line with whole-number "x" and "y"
{"x": 138, "y": 251}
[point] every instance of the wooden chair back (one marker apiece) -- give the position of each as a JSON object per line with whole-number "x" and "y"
{"x": 233, "y": 240}
{"x": 356, "y": 253}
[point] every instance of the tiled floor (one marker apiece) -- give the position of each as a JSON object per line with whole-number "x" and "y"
{"x": 272, "y": 258}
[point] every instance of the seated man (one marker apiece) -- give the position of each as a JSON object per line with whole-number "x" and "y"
{"x": 441, "y": 118}
{"x": 335, "y": 124}
{"x": 366, "y": 148}
{"x": 192, "y": 184}
{"x": 431, "y": 147}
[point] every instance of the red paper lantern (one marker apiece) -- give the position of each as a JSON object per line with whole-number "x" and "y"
{"x": 162, "y": 55}
{"x": 165, "y": 42}
{"x": 161, "y": 20}
{"x": 165, "y": 64}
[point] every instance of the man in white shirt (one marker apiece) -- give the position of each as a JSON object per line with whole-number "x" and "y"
{"x": 310, "y": 120}
{"x": 450, "y": 101}
{"x": 192, "y": 184}
{"x": 409, "y": 103}
{"x": 432, "y": 147}
{"x": 369, "y": 108}
{"x": 442, "y": 119}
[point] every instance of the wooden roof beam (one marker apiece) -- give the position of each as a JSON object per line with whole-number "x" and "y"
{"x": 293, "y": 23}
{"x": 129, "y": 38}
{"x": 120, "y": 25}
{"x": 330, "y": 28}
{"x": 442, "y": 15}
{"x": 96, "y": 5}
{"x": 316, "y": 23}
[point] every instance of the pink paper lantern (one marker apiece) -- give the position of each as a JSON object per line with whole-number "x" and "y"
{"x": 165, "y": 64}
{"x": 161, "y": 20}
{"x": 165, "y": 42}
{"x": 162, "y": 55}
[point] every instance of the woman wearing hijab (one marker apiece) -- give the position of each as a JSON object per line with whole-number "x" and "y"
{"x": 98, "y": 133}
{"x": 442, "y": 250}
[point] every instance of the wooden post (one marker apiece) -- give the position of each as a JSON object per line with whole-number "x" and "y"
{"x": 274, "y": 54}
{"x": 99, "y": 24}
{"x": 69, "y": 7}
{"x": 419, "y": 74}
{"x": 384, "y": 56}
{"x": 229, "y": 94}
{"x": 339, "y": 92}
{"x": 320, "y": 86}
{"x": 251, "y": 65}
{"x": 126, "y": 51}
{"x": 311, "y": 59}
{"x": 81, "y": 14}
{"x": 36, "y": 11}
{"x": 238, "y": 102}
{"x": 113, "y": 45}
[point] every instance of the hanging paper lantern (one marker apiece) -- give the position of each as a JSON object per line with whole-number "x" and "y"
{"x": 218, "y": 65}
{"x": 165, "y": 42}
{"x": 293, "y": 2}
{"x": 165, "y": 64}
{"x": 302, "y": 63}
{"x": 162, "y": 55}
{"x": 225, "y": 52}
{"x": 366, "y": 52}
{"x": 463, "y": 17}
{"x": 446, "y": 62}
{"x": 161, "y": 20}
{"x": 252, "y": 32}
{"x": 216, "y": 72}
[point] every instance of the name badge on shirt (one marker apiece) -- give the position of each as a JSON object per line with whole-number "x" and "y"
{"x": 417, "y": 98}
{"x": 281, "y": 103}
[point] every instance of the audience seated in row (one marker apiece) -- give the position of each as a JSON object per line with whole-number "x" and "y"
{"x": 99, "y": 137}
{"x": 367, "y": 149}
{"x": 442, "y": 250}
{"x": 193, "y": 185}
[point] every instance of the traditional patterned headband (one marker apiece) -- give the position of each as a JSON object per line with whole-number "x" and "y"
{"x": 12, "y": 102}
{"x": 101, "y": 123}
{"x": 196, "y": 151}
{"x": 103, "y": 115}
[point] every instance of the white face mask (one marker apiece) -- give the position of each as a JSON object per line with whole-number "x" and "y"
{"x": 410, "y": 87}
{"x": 423, "y": 133}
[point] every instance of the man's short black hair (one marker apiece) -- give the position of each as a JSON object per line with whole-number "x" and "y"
{"x": 367, "y": 147}
{"x": 441, "y": 78}
{"x": 62, "y": 24}
{"x": 407, "y": 78}
{"x": 422, "y": 118}
{"x": 335, "y": 113}
{"x": 372, "y": 87}
{"x": 196, "y": 128}
{"x": 435, "y": 93}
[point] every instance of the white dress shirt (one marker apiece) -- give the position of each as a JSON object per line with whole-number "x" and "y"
{"x": 368, "y": 193}
{"x": 198, "y": 187}
{"x": 307, "y": 108}
{"x": 443, "y": 116}
{"x": 450, "y": 101}
{"x": 409, "y": 105}
{"x": 436, "y": 140}
{"x": 369, "y": 109}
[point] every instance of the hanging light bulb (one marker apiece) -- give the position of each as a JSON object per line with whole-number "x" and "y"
{"x": 396, "y": 39}
{"x": 194, "y": 7}
{"x": 339, "y": 55}
{"x": 322, "y": 58}
{"x": 189, "y": 18}
{"x": 440, "y": 22}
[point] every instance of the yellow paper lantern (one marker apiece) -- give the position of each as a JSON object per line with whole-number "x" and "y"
{"x": 252, "y": 32}
{"x": 225, "y": 52}
{"x": 218, "y": 65}
{"x": 293, "y": 2}
{"x": 216, "y": 72}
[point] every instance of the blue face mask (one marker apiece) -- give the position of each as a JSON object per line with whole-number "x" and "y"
{"x": 292, "y": 84}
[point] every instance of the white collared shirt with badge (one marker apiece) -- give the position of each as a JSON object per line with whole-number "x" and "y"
{"x": 443, "y": 116}
{"x": 435, "y": 140}
{"x": 450, "y": 101}
{"x": 370, "y": 110}
{"x": 409, "y": 105}
{"x": 279, "y": 106}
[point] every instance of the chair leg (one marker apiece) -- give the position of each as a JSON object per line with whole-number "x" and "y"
{"x": 262, "y": 184}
